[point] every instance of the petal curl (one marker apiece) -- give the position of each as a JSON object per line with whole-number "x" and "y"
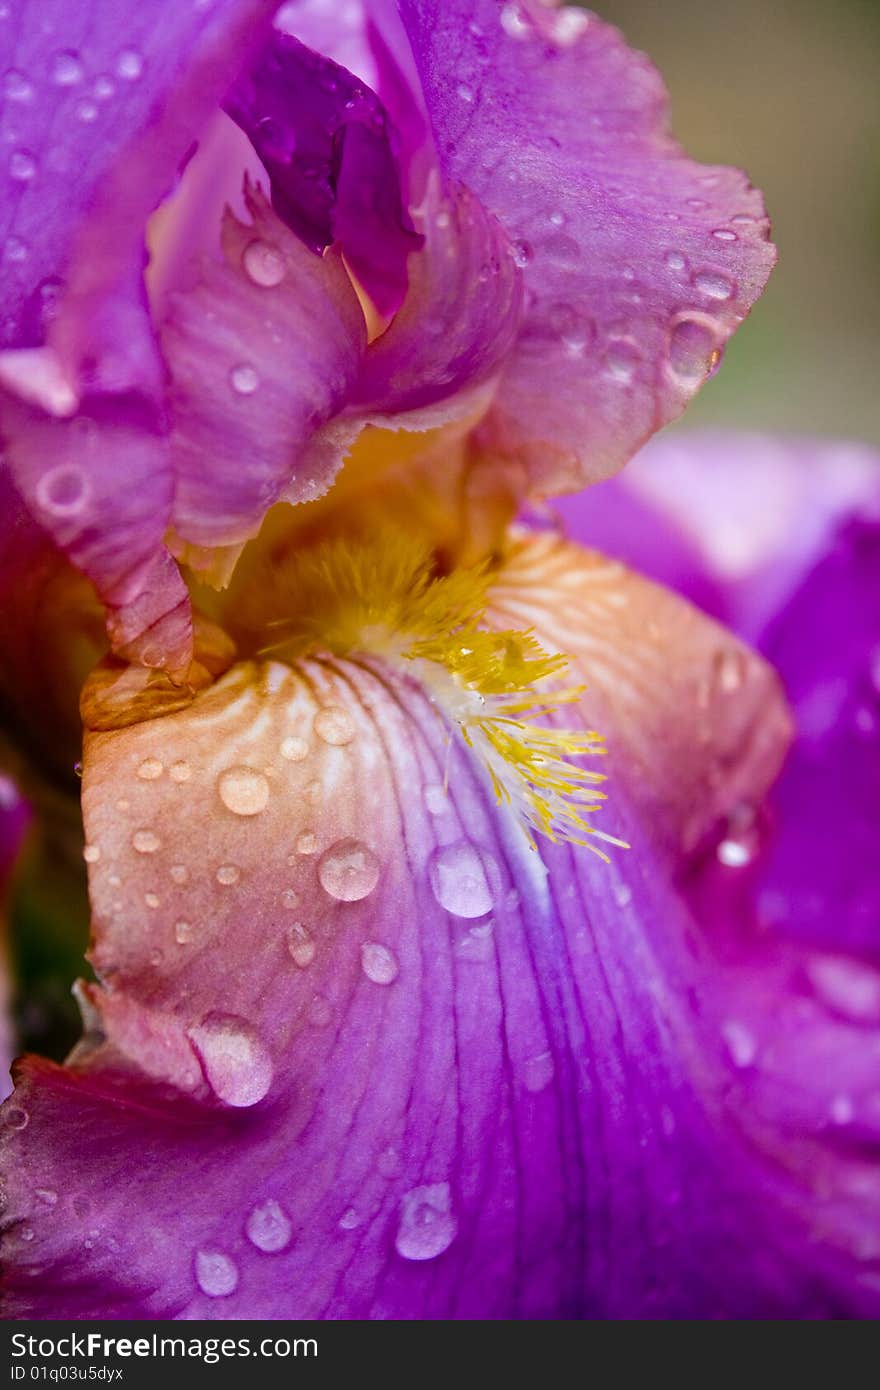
{"x": 409, "y": 1067}
{"x": 638, "y": 263}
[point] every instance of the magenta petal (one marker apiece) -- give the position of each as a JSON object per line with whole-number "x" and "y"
{"x": 326, "y": 142}
{"x": 261, "y": 353}
{"x": 638, "y": 263}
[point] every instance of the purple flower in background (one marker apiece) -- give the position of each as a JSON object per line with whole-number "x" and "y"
{"x": 375, "y": 1035}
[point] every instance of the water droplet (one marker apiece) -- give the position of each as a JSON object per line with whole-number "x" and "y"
{"x": 179, "y": 873}
{"x": 269, "y": 1227}
{"x": 16, "y": 86}
{"x": 300, "y": 945}
{"x": 145, "y": 842}
{"x": 349, "y": 1220}
{"x": 244, "y": 379}
{"x": 523, "y": 254}
{"x": 180, "y": 771}
{"x": 740, "y": 1043}
{"x": 86, "y": 111}
{"x": 14, "y": 249}
{"x": 464, "y": 879}
{"x": 294, "y": 749}
{"x": 622, "y": 358}
{"x": 151, "y": 899}
{"x": 464, "y": 92}
{"x": 514, "y": 22}
{"x": 216, "y": 1273}
{"x": 676, "y": 261}
{"x": 427, "y": 1224}
{"x": 237, "y": 1066}
{"x": 183, "y": 931}
{"x": 713, "y": 284}
{"x": 557, "y": 219}
{"x": 264, "y": 264}
{"x": 91, "y": 854}
{"x": 847, "y": 987}
{"x": 47, "y": 1195}
{"x": 692, "y": 347}
{"x": 243, "y": 790}
{"x": 129, "y": 65}
{"x": 104, "y": 87}
{"x": 436, "y": 799}
{"x": 334, "y": 725}
{"x": 314, "y": 792}
{"x": 348, "y": 871}
{"x": 538, "y": 1072}
{"x": 306, "y": 843}
{"x": 228, "y": 874}
{"x": 734, "y": 854}
{"x": 378, "y": 963}
{"x": 150, "y": 769}
{"x": 722, "y": 234}
{"x": 14, "y": 1117}
{"x": 63, "y": 491}
{"x": 67, "y": 68}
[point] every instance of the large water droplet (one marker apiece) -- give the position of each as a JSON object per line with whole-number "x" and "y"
{"x": 243, "y": 791}
{"x": 264, "y": 264}
{"x": 333, "y": 724}
{"x": 269, "y": 1227}
{"x": 427, "y": 1224}
{"x": 692, "y": 349}
{"x": 464, "y": 879}
{"x": 378, "y": 963}
{"x": 235, "y": 1061}
{"x": 348, "y": 871}
{"x": 216, "y": 1273}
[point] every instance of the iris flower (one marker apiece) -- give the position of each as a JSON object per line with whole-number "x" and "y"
{"x": 401, "y": 1011}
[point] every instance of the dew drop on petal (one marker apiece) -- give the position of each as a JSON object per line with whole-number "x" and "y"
{"x": 244, "y": 379}
{"x": 733, "y": 853}
{"x": 378, "y": 963}
{"x": 427, "y": 1224}
{"x": 243, "y": 790}
{"x": 306, "y": 843}
{"x": 264, "y": 264}
{"x": 180, "y": 771}
{"x": 228, "y": 874}
{"x": 91, "y": 854}
{"x": 145, "y": 842}
{"x": 66, "y": 69}
{"x": 16, "y": 86}
{"x": 236, "y": 1063}
{"x": 14, "y": 1117}
{"x": 300, "y": 945}
{"x": 152, "y": 900}
{"x": 676, "y": 261}
{"x": 183, "y": 931}
{"x": 129, "y": 65}
{"x": 216, "y": 1273}
{"x": 47, "y": 1195}
{"x": 63, "y": 491}
{"x": 713, "y": 285}
{"x": 348, "y": 871}
{"x": 333, "y": 725}
{"x": 740, "y": 1043}
{"x": 538, "y": 1072}
{"x": 150, "y": 769}
{"x": 349, "y": 1220}
{"x": 692, "y": 349}
{"x": 268, "y": 1227}
{"x": 847, "y": 987}
{"x": 464, "y": 879}
{"x": 179, "y": 873}
{"x": 294, "y": 749}
{"x": 723, "y": 234}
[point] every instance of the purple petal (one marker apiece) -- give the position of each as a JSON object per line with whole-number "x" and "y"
{"x": 378, "y": 1058}
{"x": 14, "y": 820}
{"x": 638, "y": 263}
{"x": 261, "y": 353}
{"x": 325, "y": 141}
{"x": 104, "y": 106}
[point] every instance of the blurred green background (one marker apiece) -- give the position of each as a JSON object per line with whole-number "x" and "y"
{"x": 789, "y": 90}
